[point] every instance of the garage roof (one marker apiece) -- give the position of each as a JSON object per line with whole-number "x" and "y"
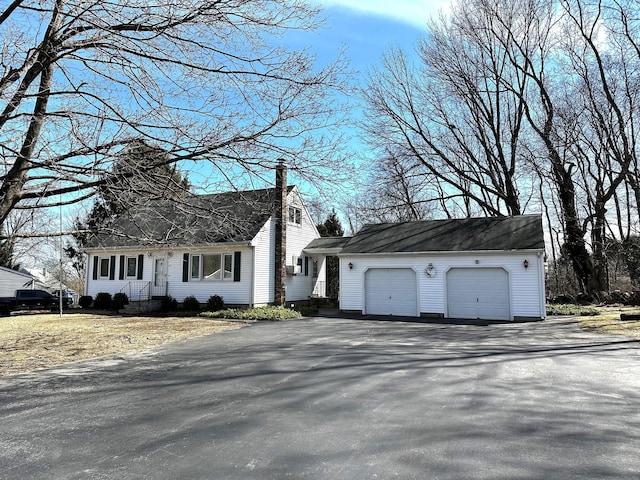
{"x": 522, "y": 232}
{"x": 326, "y": 245}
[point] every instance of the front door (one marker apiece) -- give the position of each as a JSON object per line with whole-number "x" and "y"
{"x": 160, "y": 276}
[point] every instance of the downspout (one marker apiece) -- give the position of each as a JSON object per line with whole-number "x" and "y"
{"x": 252, "y": 285}
{"x": 86, "y": 273}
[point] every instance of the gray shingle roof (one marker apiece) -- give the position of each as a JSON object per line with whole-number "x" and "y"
{"x": 327, "y": 244}
{"x": 195, "y": 220}
{"x": 522, "y": 232}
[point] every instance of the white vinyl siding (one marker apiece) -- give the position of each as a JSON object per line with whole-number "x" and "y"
{"x": 526, "y": 285}
{"x": 11, "y": 280}
{"x": 264, "y": 264}
{"x": 124, "y": 266}
{"x": 233, "y": 293}
{"x": 299, "y": 286}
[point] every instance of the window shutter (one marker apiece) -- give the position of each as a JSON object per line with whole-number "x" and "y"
{"x": 140, "y": 266}
{"x": 236, "y": 266}
{"x": 306, "y": 266}
{"x": 185, "y": 267}
{"x": 95, "y": 267}
{"x": 121, "y": 273}
{"x": 112, "y": 268}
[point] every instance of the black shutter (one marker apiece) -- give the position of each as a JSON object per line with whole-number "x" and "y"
{"x": 96, "y": 261}
{"x": 306, "y": 266}
{"x": 236, "y": 266}
{"x": 121, "y": 274}
{"x": 112, "y": 268}
{"x": 140, "y": 266}
{"x": 185, "y": 267}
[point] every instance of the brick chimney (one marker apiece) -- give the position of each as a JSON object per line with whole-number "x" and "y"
{"x": 280, "y": 215}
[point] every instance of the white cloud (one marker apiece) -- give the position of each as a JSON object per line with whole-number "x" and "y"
{"x": 414, "y": 12}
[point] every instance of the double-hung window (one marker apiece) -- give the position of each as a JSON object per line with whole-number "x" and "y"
{"x": 104, "y": 268}
{"x": 295, "y": 215}
{"x": 132, "y": 267}
{"x": 105, "y": 264}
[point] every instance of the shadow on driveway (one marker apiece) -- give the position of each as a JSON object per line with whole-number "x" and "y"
{"x": 337, "y": 398}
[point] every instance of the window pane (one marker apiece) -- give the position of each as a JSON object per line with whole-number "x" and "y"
{"x": 195, "y": 266}
{"x": 211, "y": 268}
{"x": 295, "y": 215}
{"x": 104, "y": 267}
{"x": 131, "y": 266}
{"x": 228, "y": 263}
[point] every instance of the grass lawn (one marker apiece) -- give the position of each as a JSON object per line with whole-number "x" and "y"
{"x": 33, "y": 341}
{"x": 607, "y": 320}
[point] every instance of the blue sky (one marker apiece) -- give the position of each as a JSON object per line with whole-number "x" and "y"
{"x": 368, "y": 27}
{"x": 365, "y": 29}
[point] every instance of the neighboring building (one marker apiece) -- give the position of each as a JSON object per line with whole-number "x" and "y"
{"x": 246, "y": 247}
{"x": 486, "y": 268}
{"x": 12, "y": 280}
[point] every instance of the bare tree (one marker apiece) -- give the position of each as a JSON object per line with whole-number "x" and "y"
{"x": 397, "y": 191}
{"x": 509, "y": 90}
{"x": 80, "y": 81}
{"x": 453, "y": 114}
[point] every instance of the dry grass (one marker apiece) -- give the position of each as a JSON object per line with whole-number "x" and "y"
{"x": 30, "y": 342}
{"x": 608, "y": 322}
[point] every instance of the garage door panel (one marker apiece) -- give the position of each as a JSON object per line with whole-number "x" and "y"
{"x": 390, "y": 291}
{"x": 478, "y": 293}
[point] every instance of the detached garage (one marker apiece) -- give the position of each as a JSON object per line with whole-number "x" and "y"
{"x": 474, "y": 268}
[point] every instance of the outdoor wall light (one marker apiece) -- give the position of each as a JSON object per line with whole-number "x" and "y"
{"x": 350, "y": 266}
{"x": 430, "y": 271}
{"x": 526, "y": 264}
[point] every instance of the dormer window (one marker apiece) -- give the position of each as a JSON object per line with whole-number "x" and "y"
{"x": 295, "y": 215}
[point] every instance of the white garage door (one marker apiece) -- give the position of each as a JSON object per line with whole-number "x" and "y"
{"x": 478, "y": 293}
{"x": 391, "y": 291}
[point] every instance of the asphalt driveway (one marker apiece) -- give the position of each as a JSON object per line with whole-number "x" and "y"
{"x": 335, "y": 398}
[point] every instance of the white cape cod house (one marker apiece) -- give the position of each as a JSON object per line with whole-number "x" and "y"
{"x": 245, "y": 246}
{"x": 261, "y": 247}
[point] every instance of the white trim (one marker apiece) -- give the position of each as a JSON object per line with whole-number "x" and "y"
{"x": 445, "y": 252}
{"x": 108, "y": 275}
{"x": 126, "y": 267}
{"x": 168, "y": 250}
{"x": 200, "y": 277}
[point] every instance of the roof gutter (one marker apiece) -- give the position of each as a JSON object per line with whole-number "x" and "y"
{"x": 445, "y": 252}
{"x": 165, "y": 248}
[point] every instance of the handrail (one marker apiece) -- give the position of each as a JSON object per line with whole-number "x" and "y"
{"x": 135, "y": 291}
